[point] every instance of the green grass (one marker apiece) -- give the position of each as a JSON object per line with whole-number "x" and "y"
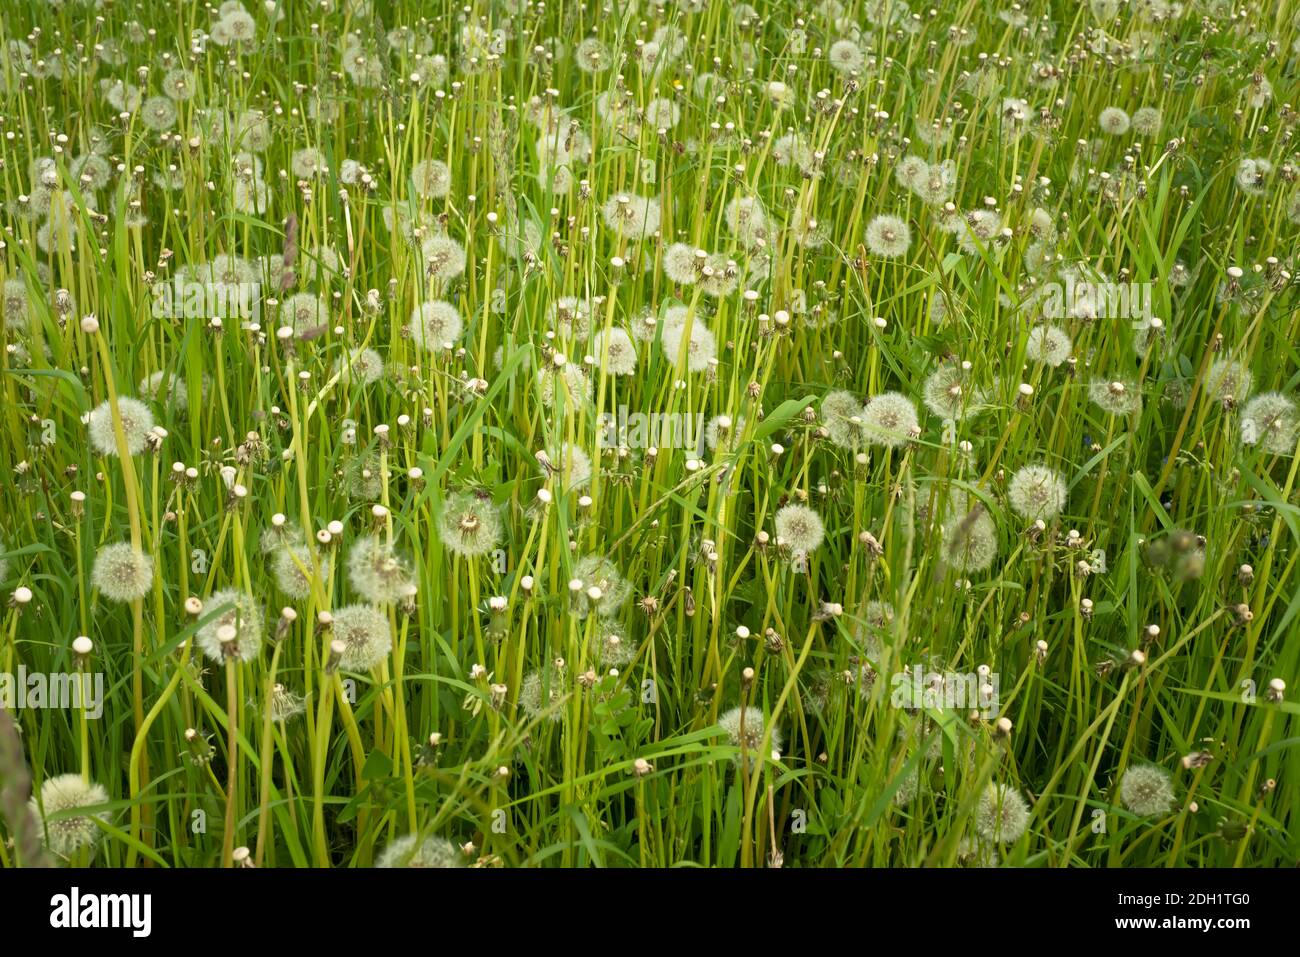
{"x": 1159, "y": 650}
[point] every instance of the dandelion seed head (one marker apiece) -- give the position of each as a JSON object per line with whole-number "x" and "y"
{"x": 970, "y": 537}
{"x": 1147, "y": 121}
{"x": 443, "y": 258}
{"x": 612, "y": 649}
{"x": 366, "y": 633}
{"x": 1113, "y": 121}
{"x": 1253, "y": 175}
{"x": 632, "y": 217}
{"x": 1001, "y": 816}
{"x": 911, "y": 171}
{"x": 570, "y": 465}
{"x": 17, "y": 304}
{"x": 1228, "y": 379}
{"x": 540, "y": 692}
{"x": 615, "y": 351}
{"x": 291, "y": 565}
{"x": 66, "y": 792}
{"x": 949, "y": 393}
{"x": 235, "y": 610}
{"x": 888, "y": 236}
{"x": 122, "y": 573}
{"x": 1049, "y": 345}
{"x": 471, "y": 525}
{"x": 679, "y": 264}
{"x": 378, "y": 573}
{"x": 416, "y": 851}
{"x": 746, "y": 218}
{"x": 1115, "y": 397}
{"x": 601, "y": 572}
{"x": 1270, "y": 420}
{"x": 799, "y": 529}
{"x": 699, "y": 348}
{"x": 745, "y": 728}
{"x": 434, "y": 324}
{"x": 1037, "y": 492}
{"x": 431, "y": 179}
{"x": 364, "y": 366}
{"x": 303, "y": 312}
{"x": 845, "y": 56}
{"x": 137, "y": 425}
{"x": 1147, "y": 790}
{"x": 890, "y": 420}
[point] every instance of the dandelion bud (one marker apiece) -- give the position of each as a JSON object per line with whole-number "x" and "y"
{"x": 1245, "y": 576}
{"x": 338, "y": 647}
{"x": 1276, "y": 690}
{"x": 228, "y": 635}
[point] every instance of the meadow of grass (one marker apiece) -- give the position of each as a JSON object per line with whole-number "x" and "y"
{"x": 649, "y": 434}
